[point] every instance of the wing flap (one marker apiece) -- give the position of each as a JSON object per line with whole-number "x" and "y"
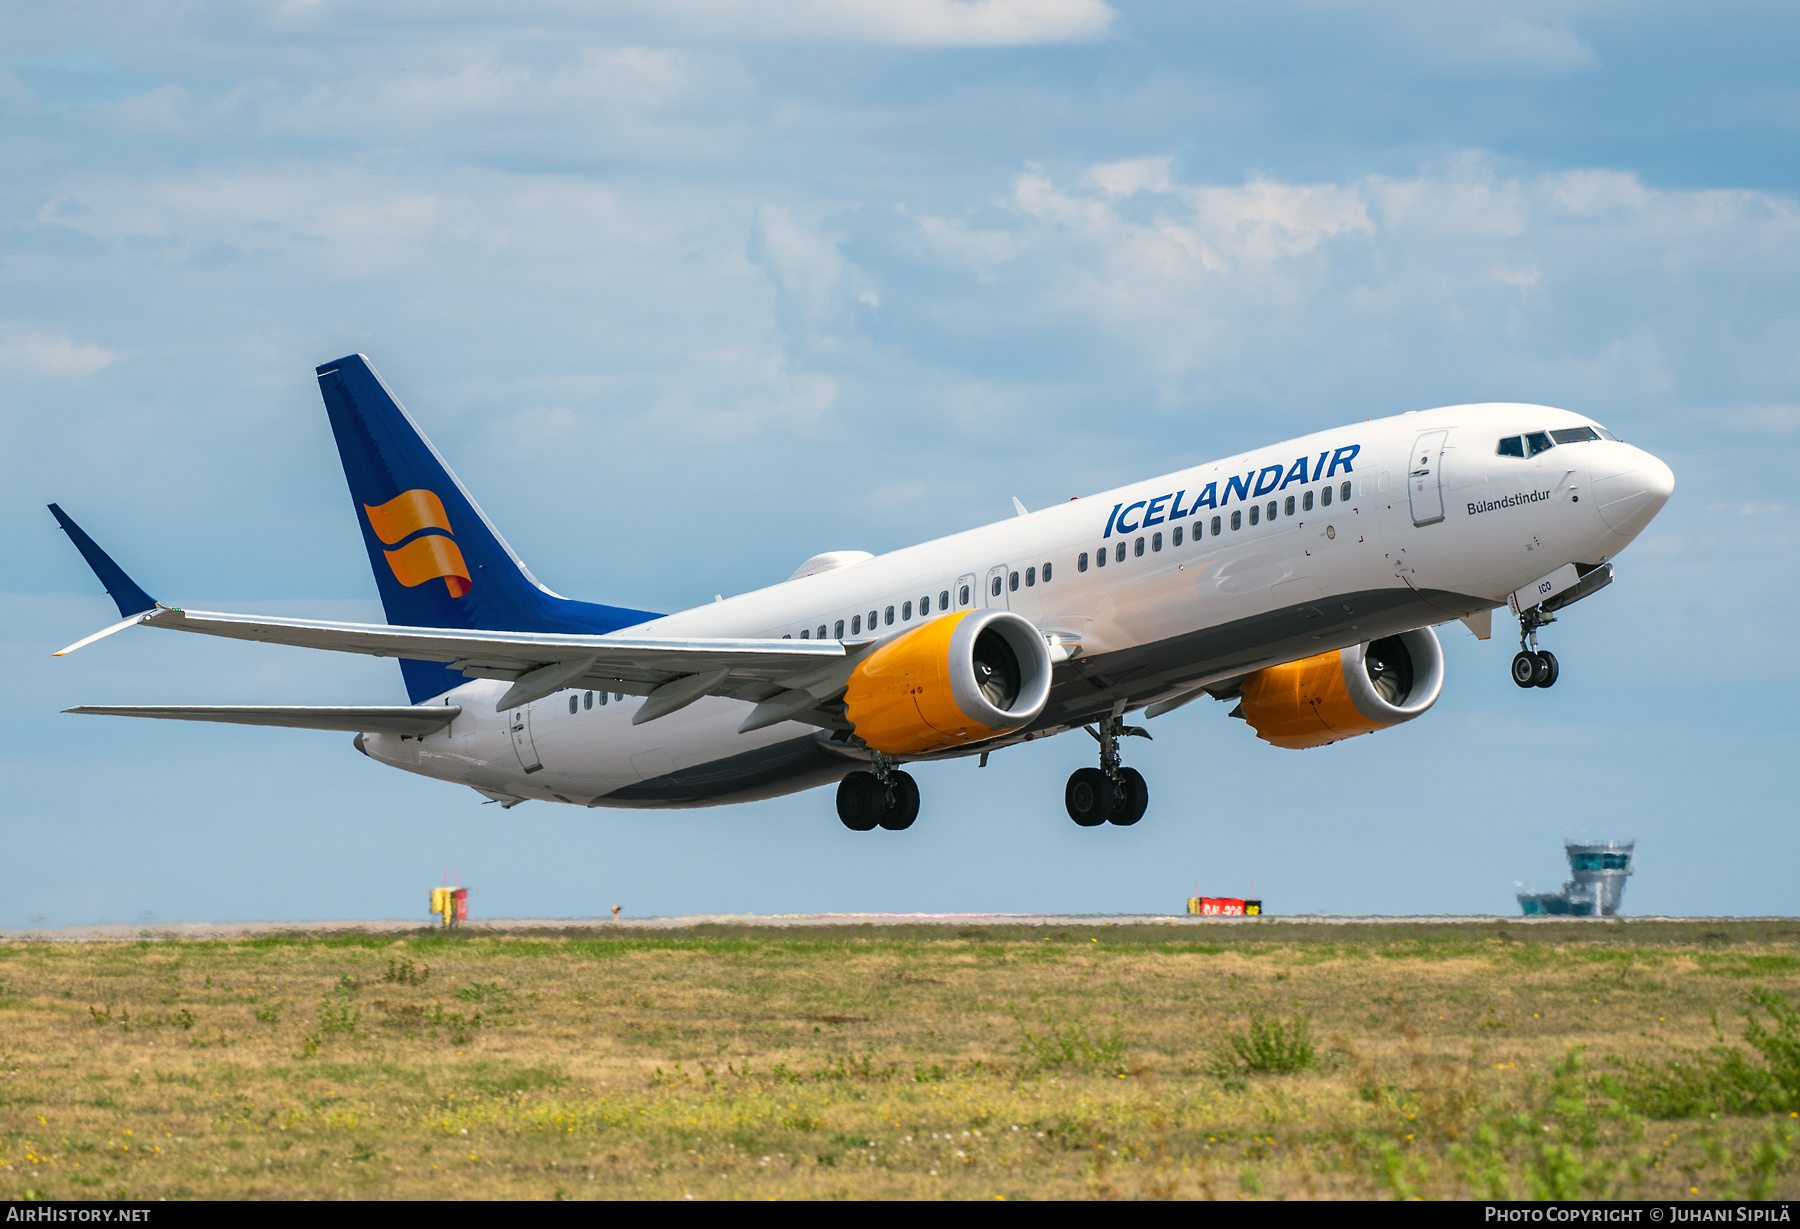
{"x": 375, "y": 719}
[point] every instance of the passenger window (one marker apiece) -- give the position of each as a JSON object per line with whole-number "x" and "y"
{"x": 856, "y": 625}
{"x": 1030, "y": 577}
{"x": 1306, "y": 502}
{"x": 1344, "y": 491}
{"x": 888, "y": 616}
{"x": 1272, "y": 506}
{"x": 574, "y": 705}
{"x": 837, "y": 632}
{"x": 784, "y": 636}
{"x": 1100, "y": 557}
{"x": 1325, "y": 498}
{"x": 619, "y": 696}
{"x": 1255, "y": 514}
{"x": 873, "y": 620}
{"x": 587, "y": 701}
{"x": 803, "y": 634}
{"x": 1237, "y": 518}
{"x": 1081, "y": 562}
{"x": 1156, "y": 541}
{"x": 925, "y": 605}
{"x": 963, "y": 595}
{"x": 1537, "y": 442}
{"x": 1511, "y": 446}
{"x": 996, "y": 586}
{"x": 1119, "y": 553}
{"x": 821, "y": 631}
{"x": 1046, "y": 573}
{"x": 1175, "y": 536}
{"x": 905, "y": 611}
{"x": 1288, "y": 507}
{"x": 944, "y": 598}
{"x": 1137, "y": 547}
{"x": 1215, "y": 527}
{"x": 1012, "y": 582}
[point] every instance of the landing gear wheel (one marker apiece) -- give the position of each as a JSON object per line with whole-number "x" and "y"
{"x": 1547, "y": 669}
{"x": 862, "y": 801}
{"x": 1090, "y": 797}
{"x": 899, "y": 814}
{"x": 1133, "y": 795}
{"x": 1525, "y": 669}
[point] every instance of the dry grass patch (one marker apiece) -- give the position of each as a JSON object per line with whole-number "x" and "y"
{"x": 918, "y": 1063}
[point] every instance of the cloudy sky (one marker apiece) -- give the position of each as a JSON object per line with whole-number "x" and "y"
{"x": 688, "y": 292}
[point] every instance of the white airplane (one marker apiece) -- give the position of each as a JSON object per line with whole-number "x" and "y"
{"x": 1301, "y": 580}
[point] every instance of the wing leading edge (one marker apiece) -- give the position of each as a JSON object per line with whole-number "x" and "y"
{"x": 374, "y": 719}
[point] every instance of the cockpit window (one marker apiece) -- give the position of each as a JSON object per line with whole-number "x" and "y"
{"x": 1512, "y": 446}
{"x": 1575, "y": 435}
{"x": 1536, "y": 442}
{"x": 1608, "y": 435}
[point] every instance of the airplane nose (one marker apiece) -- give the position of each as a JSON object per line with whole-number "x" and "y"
{"x": 1634, "y": 494}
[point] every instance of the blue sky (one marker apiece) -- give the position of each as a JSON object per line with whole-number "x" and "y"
{"x": 689, "y": 292}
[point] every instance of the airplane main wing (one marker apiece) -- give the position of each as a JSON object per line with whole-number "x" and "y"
{"x": 672, "y": 673}
{"x": 787, "y": 680}
{"x": 417, "y": 720}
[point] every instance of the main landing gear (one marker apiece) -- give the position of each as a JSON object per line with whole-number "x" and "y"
{"x": 1110, "y": 793}
{"x": 1532, "y": 666}
{"x": 885, "y": 798}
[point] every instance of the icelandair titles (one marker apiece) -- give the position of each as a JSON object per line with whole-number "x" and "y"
{"x": 1268, "y": 480}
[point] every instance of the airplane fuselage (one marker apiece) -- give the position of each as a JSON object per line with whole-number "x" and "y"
{"x": 1158, "y": 588}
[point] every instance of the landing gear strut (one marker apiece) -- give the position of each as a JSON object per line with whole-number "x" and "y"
{"x": 1532, "y": 666}
{"x": 1111, "y": 792}
{"x": 885, "y": 798}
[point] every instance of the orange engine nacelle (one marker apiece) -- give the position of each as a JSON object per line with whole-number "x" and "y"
{"x": 956, "y": 680}
{"x": 1334, "y": 696}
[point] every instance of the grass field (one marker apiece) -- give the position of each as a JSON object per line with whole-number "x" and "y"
{"x": 1271, "y": 1060}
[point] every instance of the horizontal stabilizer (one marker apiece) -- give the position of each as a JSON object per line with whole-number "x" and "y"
{"x": 374, "y": 719}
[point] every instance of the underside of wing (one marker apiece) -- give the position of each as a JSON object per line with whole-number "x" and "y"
{"x": 376, "y": 719}
{"x": 672, "y": 672}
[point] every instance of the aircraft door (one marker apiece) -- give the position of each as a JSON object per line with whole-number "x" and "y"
{"x": 968, "y": 594}
{"x": 520, "y": 721}
{"x": 1425, "y": 478}
{"x": 994, "y": 594}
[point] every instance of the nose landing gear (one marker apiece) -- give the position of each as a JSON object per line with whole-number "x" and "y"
{"x": 1532, "y": 666}
{"x": 885, "y": 798}
{"x": 1110, "y": 793}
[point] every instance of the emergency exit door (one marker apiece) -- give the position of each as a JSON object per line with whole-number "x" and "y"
{"x": 1424, "y": 479}
{"x": 995, "y": 595}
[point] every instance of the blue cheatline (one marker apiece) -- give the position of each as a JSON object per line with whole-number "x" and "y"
{"x": 438, "y": 562}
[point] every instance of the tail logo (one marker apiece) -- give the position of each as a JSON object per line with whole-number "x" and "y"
{"x": 415, "y": 522}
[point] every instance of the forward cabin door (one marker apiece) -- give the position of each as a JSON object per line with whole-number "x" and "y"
{"x": 520, "y": 721}
{"x": 1425, "y": 478}
{"x": 993, "y": 594}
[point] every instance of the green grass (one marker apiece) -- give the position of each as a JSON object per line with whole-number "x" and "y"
{"x": 1277, "y": 1060}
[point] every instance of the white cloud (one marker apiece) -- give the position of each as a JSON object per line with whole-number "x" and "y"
{"x": 1136, "y": 175}
{"x": 922, "y": 23}
{"x": 1512, "y": 43}
{"x": 1588, "y": 194}
{"x": 28, "y": 352}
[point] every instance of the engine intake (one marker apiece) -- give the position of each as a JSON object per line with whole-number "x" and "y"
{"x": 956, "y": 680}
{"x": 1334, "y": 696}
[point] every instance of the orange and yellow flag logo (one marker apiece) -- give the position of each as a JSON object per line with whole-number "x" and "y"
{"x": 427, "y": 557}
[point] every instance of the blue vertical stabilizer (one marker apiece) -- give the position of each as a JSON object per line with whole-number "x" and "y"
{"x": 437, "y": 560}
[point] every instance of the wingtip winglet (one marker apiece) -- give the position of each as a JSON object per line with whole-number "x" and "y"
{"x": 125, "y": 592}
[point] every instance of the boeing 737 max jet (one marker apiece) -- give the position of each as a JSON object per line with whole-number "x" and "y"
{"x": 1301, "y": 581}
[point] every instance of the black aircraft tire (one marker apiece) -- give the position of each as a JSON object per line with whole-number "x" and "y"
{"x": 1133, "y": 798}
{"x": 1548, "y": 669}
{"x": 861, "y": 801}
{"x": 1089, "y": 797}
{"x": 899, "y": 817}
{"x": 1525, "y": 669}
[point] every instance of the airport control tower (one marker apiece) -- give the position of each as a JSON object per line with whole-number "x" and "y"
{"x": 1599, "y": 870}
